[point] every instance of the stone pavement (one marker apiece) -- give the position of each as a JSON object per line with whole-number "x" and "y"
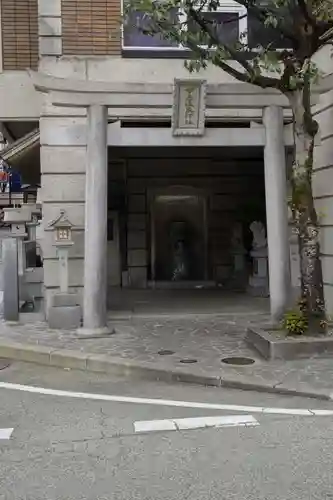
{"x": 196, "y": 345}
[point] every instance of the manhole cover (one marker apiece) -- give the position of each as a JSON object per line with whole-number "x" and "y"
{"x": 236, "y": 360}
{"x": 4, "y": 363}
{"x": 188, "y": 361}
{"x": 165, "y": 352}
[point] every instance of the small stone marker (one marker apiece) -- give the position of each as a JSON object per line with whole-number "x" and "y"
{"x": 65, "y": 312}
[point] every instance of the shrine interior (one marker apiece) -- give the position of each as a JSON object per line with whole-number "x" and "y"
{"x": 180, "y": 217}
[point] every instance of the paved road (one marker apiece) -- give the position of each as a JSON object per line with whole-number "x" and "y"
{"x": 66, "y": 448}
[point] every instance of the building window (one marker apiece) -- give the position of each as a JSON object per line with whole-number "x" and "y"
{"x": 230, "y": 18}
{"x": 134, "y": 38}
{"x": 226, "y": 24}
{"x": 260, "y": 35}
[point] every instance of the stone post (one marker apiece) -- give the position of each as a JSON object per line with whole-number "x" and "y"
{"x": 63, "y": 269}
{"x": 31, "y": 243}
{"x": 10, "y": 278}
{"x": 18, "y": 218}
{"x": 276, "y": 211}
{"x": 32, "y": 225}
{"x": 95, "y": 252}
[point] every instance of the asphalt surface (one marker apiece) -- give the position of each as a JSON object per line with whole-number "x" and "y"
{"x": 63, "y": 448}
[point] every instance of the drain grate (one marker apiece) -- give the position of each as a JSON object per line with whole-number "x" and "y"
{"x": 4, "y": 363}
{"x": 238, "y": 360}
{"x": 188, "y": 361}
{"x": 166, "y": 352}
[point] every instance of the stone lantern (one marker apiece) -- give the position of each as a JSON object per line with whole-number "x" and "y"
{"x": 62, "y": 228}
{"x": 65, "y": 311}
{"x": 63, "y": 233}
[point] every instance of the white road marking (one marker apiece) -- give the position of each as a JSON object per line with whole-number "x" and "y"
{"x": 5, "y": 434}
{"x": 155, "y": 425}
{"x": 178, "y": 424}
{"x": 163, "y": 402}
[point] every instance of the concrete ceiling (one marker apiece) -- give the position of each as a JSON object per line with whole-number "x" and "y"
{"x": 18, "y": 129}
{"x": 27, "y": 162}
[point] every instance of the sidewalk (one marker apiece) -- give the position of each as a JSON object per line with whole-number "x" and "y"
{"x": 197, "y": 344}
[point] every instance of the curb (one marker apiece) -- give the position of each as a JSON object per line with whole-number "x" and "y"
{"x": 99, "y": 363}
{"x": 287, "y": 349}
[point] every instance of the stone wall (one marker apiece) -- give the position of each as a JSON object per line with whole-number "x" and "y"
{"x": 227, "y": 186}
{"x": 18, "y": 98}
{"x": 323, "y": 190}
{"x": 50, "y": 28}
{"x": 63, "y": 165}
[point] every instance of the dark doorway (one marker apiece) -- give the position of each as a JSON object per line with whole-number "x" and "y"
{"x": 178, "y": 237}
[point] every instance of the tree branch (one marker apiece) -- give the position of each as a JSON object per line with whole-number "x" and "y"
{"x": 249, "y": 76}
{"x": 206, "y": 26}
{"x": 307, "y": 16}
{"x": 262, "y": 13}
{"x": 238, "y": 75}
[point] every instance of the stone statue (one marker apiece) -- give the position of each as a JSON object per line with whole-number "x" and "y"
{"x": 239, "y": 274}
{"x": 178, "y": 233}
{"x": 179, "y": 262}
{"x": 258, "y": 282}
{"x": 259, "y": 235}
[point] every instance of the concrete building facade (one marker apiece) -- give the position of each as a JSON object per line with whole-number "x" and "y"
{"x": 100, "y": 104}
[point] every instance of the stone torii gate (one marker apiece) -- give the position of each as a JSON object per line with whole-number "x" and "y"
{"x": 105, "y": 101}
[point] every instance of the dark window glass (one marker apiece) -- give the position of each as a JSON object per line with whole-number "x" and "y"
{"x": 133, "y": 37}
{"x": 258, "y": 34}
{"x": 225, "y": 24}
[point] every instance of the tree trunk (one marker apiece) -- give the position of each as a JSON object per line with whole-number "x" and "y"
{"x": 304, "y": 212}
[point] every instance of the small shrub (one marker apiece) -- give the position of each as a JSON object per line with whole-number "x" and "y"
{"x": 295, "y": 322}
